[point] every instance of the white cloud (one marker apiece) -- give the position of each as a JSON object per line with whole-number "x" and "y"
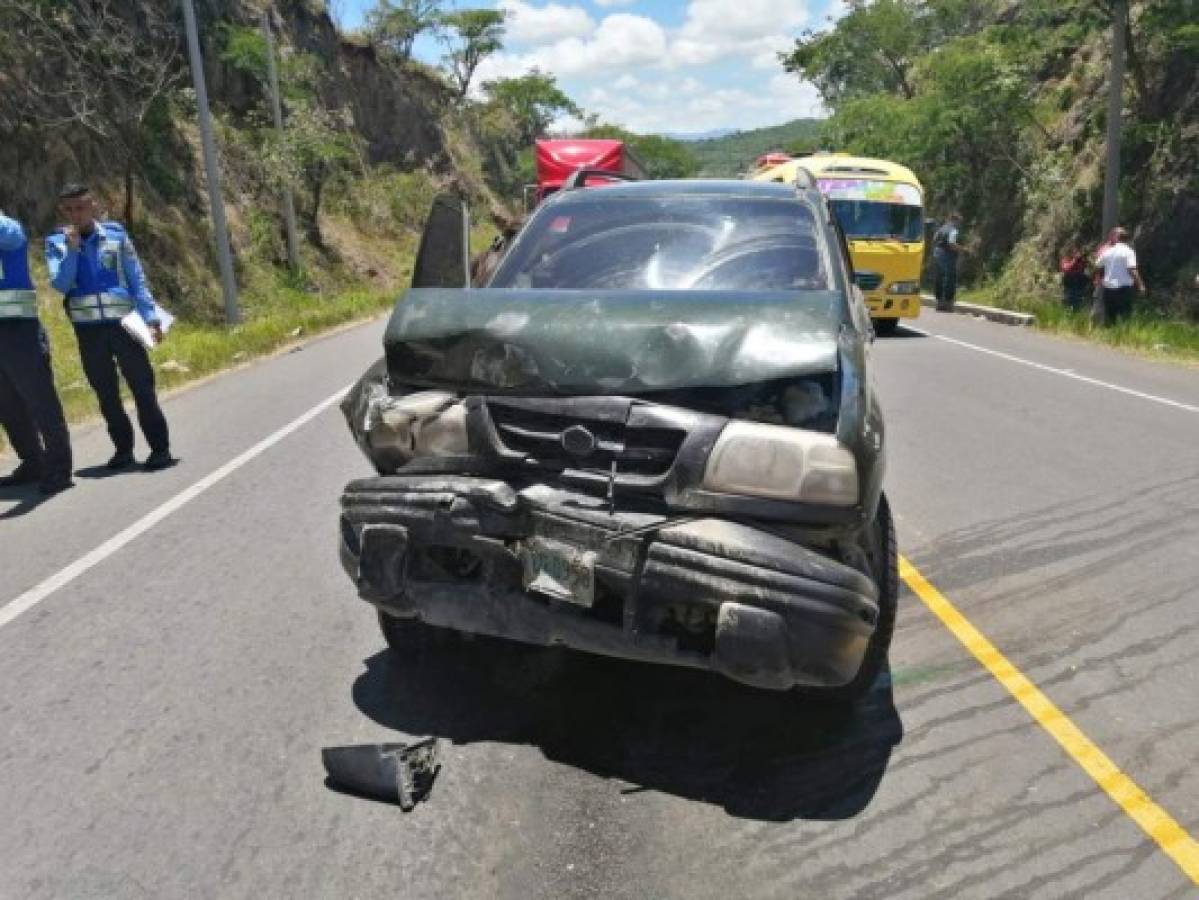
{"x": 752, "y": 29}
{"x": 527, "y": 25}
{"x": 741, "y": 19}
{"x": 631, "y": 71}
{"x": 621, "y": 41}
{"x": 661, "y": 104}
{"x": 609, "y": 3}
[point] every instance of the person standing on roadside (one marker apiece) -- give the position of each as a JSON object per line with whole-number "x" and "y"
{"x": 94, "y": 265}
{"x": 1075, "y": 280}
{"x": 1120, "y": 277}
{"x": 30, "y": 411}
{"x": 946, "y": 249}
{"x": 1097, "y": 316}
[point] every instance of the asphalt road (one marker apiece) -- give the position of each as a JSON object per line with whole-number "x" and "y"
{"x": 163, "y": 704}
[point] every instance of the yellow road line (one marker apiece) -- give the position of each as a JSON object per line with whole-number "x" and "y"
{"x": 1154, "y": 821}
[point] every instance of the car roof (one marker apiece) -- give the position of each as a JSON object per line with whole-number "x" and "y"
{"x": 721, "y": 187}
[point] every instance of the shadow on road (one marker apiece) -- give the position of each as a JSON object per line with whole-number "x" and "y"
{"x": 903, "y": 333}
{"x": 756, "y": 754}
{"x": 28, "y": 499}
{"x": 99, "y": 473}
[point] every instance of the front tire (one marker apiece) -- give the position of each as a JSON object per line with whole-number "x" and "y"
{"x": 883, "y": 552}
{"x": 885, "y": 327}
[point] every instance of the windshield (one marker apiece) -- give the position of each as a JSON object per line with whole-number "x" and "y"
{"x": 867, "y": 219}
{"x": 668, "y": 243}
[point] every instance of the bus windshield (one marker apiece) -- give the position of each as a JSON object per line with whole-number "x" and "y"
{"x": 870, "y": 220}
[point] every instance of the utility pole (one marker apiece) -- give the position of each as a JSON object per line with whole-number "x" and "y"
{"x": 1115, "y": 108}
{"x": 289, "y": 206}
{"x": 219, "y": 229}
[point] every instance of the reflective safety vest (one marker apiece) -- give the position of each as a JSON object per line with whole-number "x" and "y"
{"x": 94, "y": 297}
{"x": 100, "y": 307}
{"x": 18, "y": 299}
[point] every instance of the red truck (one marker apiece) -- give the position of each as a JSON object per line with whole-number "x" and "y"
{"x": 558, "y": 160}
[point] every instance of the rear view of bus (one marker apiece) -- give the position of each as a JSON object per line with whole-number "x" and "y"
{"x": 879, "y": 205}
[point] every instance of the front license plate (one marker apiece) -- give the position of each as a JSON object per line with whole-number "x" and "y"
{"x": 559, "y": 571}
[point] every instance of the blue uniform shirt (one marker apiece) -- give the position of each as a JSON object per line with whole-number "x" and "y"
{"x": 18, "y": 301}
{"x": 12, "y": 235}
{"x": 83, "y": 271}
{"x": 14, "y": 256}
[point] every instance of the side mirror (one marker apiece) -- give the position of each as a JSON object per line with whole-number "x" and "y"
{"x": 443, "y": 260}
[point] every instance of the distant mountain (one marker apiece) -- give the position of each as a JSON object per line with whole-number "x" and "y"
{"x": 733, "y": 153}
{"x": 688, "y": 137}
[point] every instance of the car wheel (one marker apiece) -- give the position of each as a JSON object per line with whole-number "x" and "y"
{"x": 883, "y": 553}
{"x": 885, "y": 326}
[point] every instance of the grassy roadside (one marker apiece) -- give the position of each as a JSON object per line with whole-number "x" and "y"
{"x": 275, "y": 315}
{"x": 193, "y": 351}
{"x": 1146, "y": 332}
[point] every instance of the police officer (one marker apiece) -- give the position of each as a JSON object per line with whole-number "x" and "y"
{"x": 946, "y": 249}
{"x": 95, "y": 266}
{"x": 29, "y": 407}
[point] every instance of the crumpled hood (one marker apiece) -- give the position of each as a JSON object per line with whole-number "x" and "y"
{"x": 608, "y": 342}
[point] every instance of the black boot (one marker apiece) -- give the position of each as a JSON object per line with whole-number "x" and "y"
{"x": 25, "y": 473}
{"x": 159, "y": 459}
{"x": 55, "y": 484}
{"x": 122, "y": 459}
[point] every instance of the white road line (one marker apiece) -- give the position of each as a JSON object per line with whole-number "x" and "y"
{"x": 1067, "y": 373}
{"x": 63, "y": 577}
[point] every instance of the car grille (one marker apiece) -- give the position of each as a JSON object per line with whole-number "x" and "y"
{"x": 868, "y": 281}
{"x": 544, "y": 438}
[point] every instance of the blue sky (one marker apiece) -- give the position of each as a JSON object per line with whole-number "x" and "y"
{"x": 655, "y": 65}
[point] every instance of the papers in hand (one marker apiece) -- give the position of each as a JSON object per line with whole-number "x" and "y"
{"x": 140, "y": 331}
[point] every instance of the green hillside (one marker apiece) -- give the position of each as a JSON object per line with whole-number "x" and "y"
{"x": 734, "y": 153}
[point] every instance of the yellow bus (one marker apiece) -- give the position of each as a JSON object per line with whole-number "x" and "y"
{"x": 880, "y": 207}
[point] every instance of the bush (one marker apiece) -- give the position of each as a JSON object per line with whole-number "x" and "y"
{"x": 386, "y": 202}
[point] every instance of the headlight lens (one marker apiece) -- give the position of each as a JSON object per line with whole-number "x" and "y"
{"x": 904, "y": 287}
{"x": 782, "y": 464}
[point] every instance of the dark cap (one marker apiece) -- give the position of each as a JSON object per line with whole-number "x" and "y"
{"x": 73, "y": 189}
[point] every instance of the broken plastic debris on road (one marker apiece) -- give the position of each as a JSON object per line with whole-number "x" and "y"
{"x": 396, "y": 773}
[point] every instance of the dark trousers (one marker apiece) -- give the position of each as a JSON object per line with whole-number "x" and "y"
{"x": 1075, "y": 291}
{"x": 1117, "y": 304}
{"x": 103, "y": 348}
{"x": 29, "y": 407}
{"x": 946, "y": 287}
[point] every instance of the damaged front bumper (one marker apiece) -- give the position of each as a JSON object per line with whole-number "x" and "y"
{"x": 553, "y": 567}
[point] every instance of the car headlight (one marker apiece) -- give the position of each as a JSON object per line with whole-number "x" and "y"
{"x": 904, "y": 287}
{"x": 782, "y": 464}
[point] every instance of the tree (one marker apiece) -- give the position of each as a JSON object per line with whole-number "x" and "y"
{"x": 663, "y": 157}
{"x": 874, "y": 47}
{"x": 317, "y": 143}
{"x": 470, "y": 36}
{"x": 394, "y": 25}
{"x": 91, "y": 64}
{"x": 871, "y": 50}
{"x": 534, "y": 101}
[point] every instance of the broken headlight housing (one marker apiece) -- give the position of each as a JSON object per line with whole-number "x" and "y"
{"x": 782, "y": 464}
{"x": 424, "y": 424}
